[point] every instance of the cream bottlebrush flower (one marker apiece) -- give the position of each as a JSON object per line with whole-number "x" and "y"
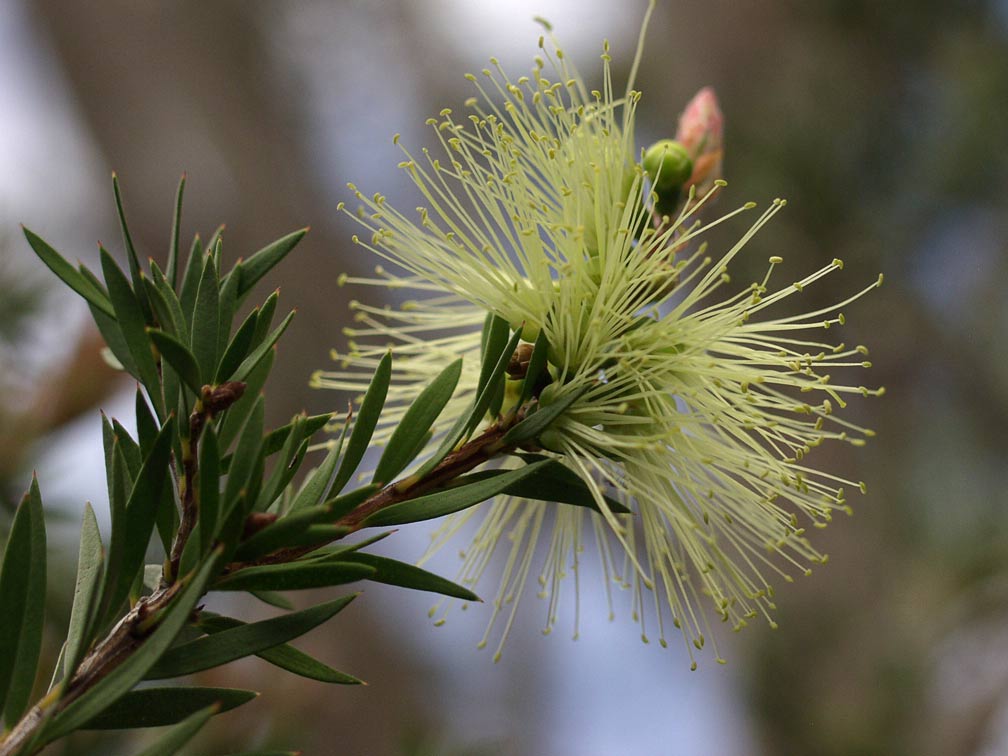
{"x": 693, "y": 409}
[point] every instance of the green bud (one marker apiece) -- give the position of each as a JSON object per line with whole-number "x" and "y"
{"x": 668, "y": 165}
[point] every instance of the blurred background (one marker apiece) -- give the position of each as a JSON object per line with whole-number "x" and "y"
{"x": 883, "y": 124}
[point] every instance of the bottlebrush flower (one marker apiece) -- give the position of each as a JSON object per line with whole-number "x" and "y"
{"x": 692, "y": 405}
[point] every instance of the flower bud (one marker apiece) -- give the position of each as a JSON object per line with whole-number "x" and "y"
{"x": 668, "y": 165}
{"x": 701, "y": 133}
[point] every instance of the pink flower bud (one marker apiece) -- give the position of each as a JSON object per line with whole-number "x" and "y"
{"x": 701, "y": 132}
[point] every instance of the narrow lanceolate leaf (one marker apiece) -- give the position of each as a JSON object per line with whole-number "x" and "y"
{"x": 277, "y": 437}
{"x": 170, "y": 301}
{"x": 448, "y": 500}
{"x": 317, "y": 486}
{"x": 244, "y": 460}
{"x": 497, "y": 356}
{"x": 536, "y": 368}
{"x": 121, "y": 679}
{"x": 131, "y": 254}
{"x": 191, "y": 276}
{"x": 280, "y": 533}
{"x": 260, "y": 351}
{"x": 283, "y": 656}
{"x": 261, "y": 262}
{"x": 556, "y": 482}
{"x": 179, "y": 735}
{"x": 346, "y": 503}
{"x": 132, "y": 323}
{"x": 205, "y": 320}
{"x": 157, "y": 707}
{"x": 404, "y": 575}
{"x": 23, "y": 585}
{"x": 173, "y": 249}
{"x": 68, "y": 274}
{"x": 364, "y": 424}
{"x": 119, "y": 487}
{"x": 179, "y": 357}
{"x": 273, "y": 599}
{"x": 235, "y": 417}
{"x": 416, "y": 422}
{"x": 220, "y": 648}
{"x": 89, "y": 572}
{"x": 540, "y": 420}
{"x": 209, "y": 488}
{"x": 238, "y": 348}
{"x": 141, "y": 510}
{"x": 293, "y": 577}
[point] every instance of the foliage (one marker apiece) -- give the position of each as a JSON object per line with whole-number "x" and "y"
{"x": 206, "y": 499}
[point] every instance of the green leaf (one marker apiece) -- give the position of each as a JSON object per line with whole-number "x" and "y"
{"x": 249, "y": 449}
{"x": 283, "y": 656}
{"x": 170, "y": 300}
{"x": 393, "y": 572}
{"x": 156, "y": 707}
{"x": 220, "y": 648}
{"x": 346, "y": 503}
{"x": 173, "y": 249}
{"x": 237, "y": 414}
{"x": 276, "y": 439}
{"x": 415, "y": 423}
{"x": 179, "y": 357}
{"x": 265, "y": 320}
{"x": 130, "y": 450}
{"x": 68, "y": 274}
{"x": 89, "y": 573}
{"x": 22, "y": 596}
{"x": 208, "y": 488}
{"x": 367, "y": 419}
{"x": 228, "y": 305}
{"x": 556, "y": 482}
{"x": 180, "y": 734}
{"x": 447, "y": 500}
{"x": 119, "y": 681}
{"x": 261, "y": 262}
{"x": 497, "y": 356}
{"x": 119, "y": 487}
{"x": 237, "y": 349}
{"x": 278, "y": 534}
{"x": 132, "y": 323}
{"x": 205, "y": 320}
{"x": 293, "y": 576}
{"x": 147, "y": 425}
{"x": 494, "y": 339}
{"x": 540, "y": 420}
{"x": 141, "y": 511}
{"x": 287, "y": 465}
{"x": 273, "y": 599}
{"x": 191, "y": 277}
{"x": 260, "y": 351}
{"x": 131, "y": 255}
{"x": 536, "y": 368}
{"x": 317, "y": 485}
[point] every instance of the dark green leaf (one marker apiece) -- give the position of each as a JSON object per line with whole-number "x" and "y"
{"x": 131, "y": 255}
{"x": 260, "y": 351}
{"x": 276, "y": 439}
{"x": 191, "y": 277}
{"x": 261, "y": 262}
{"x": 494, "y": 339}
{"x": 292, "y": 577}
{"x": 130, "y": 450}
{"x": 273, "y": 599}
{"x": 141, "y": 510}
{"x": 279, "y": 534}
{"x": 179, "y": 357}
{"x": 173, "y": 249}
{"x": 179, "y": 735}
{"x": 237, "y": 349}
{"x": 68, "y": 274}
{"x": 208, "y": 488}
{"x": 405, "y": 575}
{"x": 119, "y": 487}
{"x": 555, "y": 481}
{"x": 536, "y": 368}
{"x": 220, "y": 648}
{"x": 540, "y": 420}
{"x": 22, "y": 596}
{"x": 147, "y": 425}
{"x": 283, "y": 656}
{"x": 346, "y": 503}
{"x": 157, "y": 707}
{"x": 416, "y": 422}
{"x": 317, "y": 485}
{"x": 132, "y": 324}
{"x": 315, "y": 535}
{"x": 237, "y": 414}
{"x": 246, "y": 454}
{"x": 265, "y": 319}
{"x": 448, "y": 500}
{"x": 121, "y": 679}
{"x": 169, "y": 299}
{"x": 89, "y": 573}
{"x": 364, "y": 425}
{"x": 287, "y": 464}
{"x": 227, "y": 307}
{"x": 205, "y": 320}
{"x": 112, "y": 334}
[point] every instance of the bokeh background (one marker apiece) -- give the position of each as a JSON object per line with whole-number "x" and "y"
{"x": 884, "y": 124}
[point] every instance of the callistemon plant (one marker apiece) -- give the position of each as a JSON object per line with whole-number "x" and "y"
{"x": 672, "y": 393}
{"x": 575, "y": 366}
